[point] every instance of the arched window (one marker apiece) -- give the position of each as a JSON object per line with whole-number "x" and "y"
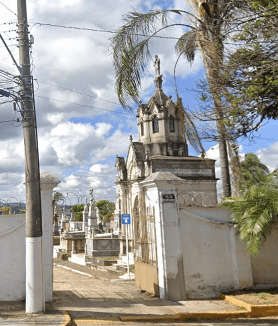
{"x": 155, "y": 124}
{"x": 142, "y": 128}
{"x": 172, "y": 124}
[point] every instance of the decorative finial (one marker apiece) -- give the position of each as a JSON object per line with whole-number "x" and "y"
{"x": 131, "y": 138}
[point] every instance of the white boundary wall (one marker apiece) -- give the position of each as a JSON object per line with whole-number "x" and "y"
{"x": 199, "y": 253}
{"x": 13, "y": 247}
{"x": 12, "y": 257}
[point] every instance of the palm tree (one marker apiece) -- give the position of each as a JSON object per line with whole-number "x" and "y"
{"x": 57, "y": 197}
{"x": 252, "y": 171}
{"x": 207, "y": 23}
{"x": 256, "y": 209}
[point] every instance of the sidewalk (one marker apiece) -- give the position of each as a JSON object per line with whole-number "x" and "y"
{"x": 82, "y": 299}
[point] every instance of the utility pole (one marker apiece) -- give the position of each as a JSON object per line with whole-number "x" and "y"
{"x": 35, "y": 301}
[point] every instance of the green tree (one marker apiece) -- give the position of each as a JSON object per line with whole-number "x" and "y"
{"x": 256, "y": 209}
{"x": 252, "y": 170}
{"x": 5, "y": 210}
{"x": 77, "y": 211}
{"x": 23, "y": 210}
{"x": 207, "y": 23}
{"x": 106, "y": 209}
{"x": 57, "y": 197}
{"x": 251, "y": 73}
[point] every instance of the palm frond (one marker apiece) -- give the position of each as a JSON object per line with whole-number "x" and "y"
{"x": 254, "y": 212}
{"x": 189, "y": 129}
{"x": 187, "y": 45}
{"x": 130, "y": 50}
{"x": 131, "y": 54}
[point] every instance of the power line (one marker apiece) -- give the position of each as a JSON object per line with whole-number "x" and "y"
{"x": 8, "y": 9}
{"x": 74, "y": 27}
{"x": 78, "y": 92}
{"x": 88, "y": 106}
{"x": 10, "y": 121}
{"x": 101, "y": 30}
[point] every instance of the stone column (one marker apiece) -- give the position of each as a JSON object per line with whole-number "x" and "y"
{"x": 48, "y": 182}
{"x": 92, "y": 217}
{"x": 85, "y": 215}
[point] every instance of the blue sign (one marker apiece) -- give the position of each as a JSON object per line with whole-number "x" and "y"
{"x": 126, "y": 219}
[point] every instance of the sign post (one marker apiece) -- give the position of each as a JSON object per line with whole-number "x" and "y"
{"x": 126, "y": 220}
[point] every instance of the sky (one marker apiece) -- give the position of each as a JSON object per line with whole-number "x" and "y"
{"x": 81, "y": 126}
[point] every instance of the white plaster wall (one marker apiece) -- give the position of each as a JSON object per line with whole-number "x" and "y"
{"x": 13, "y": 250}
{"x": 12, "y": 257}
{"x": 198, "y": 248}
{"x": 211, "y": 263}
{"x": 199, "y": 192}
{"x": 243, "y": 263}
{"x": 265, "y": 265}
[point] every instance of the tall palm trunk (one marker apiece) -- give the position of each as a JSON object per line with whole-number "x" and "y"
{"x": 223, "y": 152}
{"x": 210, "y": 45}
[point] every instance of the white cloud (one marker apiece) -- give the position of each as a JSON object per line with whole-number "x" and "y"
{"x": 97, "y": 168}
{"x": 45, "y": 5}
{"x": 269, "y": 155}
{"x": 63, "y": 98}
{"x": 55, "y": 118}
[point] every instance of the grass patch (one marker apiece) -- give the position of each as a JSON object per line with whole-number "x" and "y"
{"x": 108, "y": 258}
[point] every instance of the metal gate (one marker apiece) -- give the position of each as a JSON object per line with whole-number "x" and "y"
{"x": 144, "y": 233}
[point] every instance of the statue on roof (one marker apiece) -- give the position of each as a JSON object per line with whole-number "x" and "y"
{"x": 157, "y": 65}
{"x": 91, "y": 192}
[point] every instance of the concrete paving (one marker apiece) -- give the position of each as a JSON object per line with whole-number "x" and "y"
{"x": 82, "y": 299}
{"x": 13, "y": 313}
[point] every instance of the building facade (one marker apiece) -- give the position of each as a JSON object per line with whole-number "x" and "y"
{"x": 161, "y": 147}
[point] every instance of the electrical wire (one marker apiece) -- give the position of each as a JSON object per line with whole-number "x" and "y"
{"x": 101, "y": 30}
{"x": 84, "y": 105}
{"x": 77, "y": 92}
{"x": 8, "y": 9}
{"x": 9, "y": 121}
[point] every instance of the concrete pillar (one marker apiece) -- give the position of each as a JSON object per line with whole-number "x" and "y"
{"x": 162, "y": 192}
{"x": 171, "y": 266}
{"x": 48, "y": 183}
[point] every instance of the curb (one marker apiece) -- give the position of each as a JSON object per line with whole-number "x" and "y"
{"x": 253, "y": 310}
{"x": 67, "y": 318}
{"x": 213, "y": 315}
{"x": 74, "y": 270}
{"x": 98, "y": 321}
{"x": 161, "y": 318}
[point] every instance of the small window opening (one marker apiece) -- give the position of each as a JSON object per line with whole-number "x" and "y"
{"x": 142, "y": 129}
{"x": 155, "y": 124}
{"x": 172, "y": 124}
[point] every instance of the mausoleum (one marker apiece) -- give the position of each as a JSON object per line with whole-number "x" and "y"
{"x": 184, "y": 246}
